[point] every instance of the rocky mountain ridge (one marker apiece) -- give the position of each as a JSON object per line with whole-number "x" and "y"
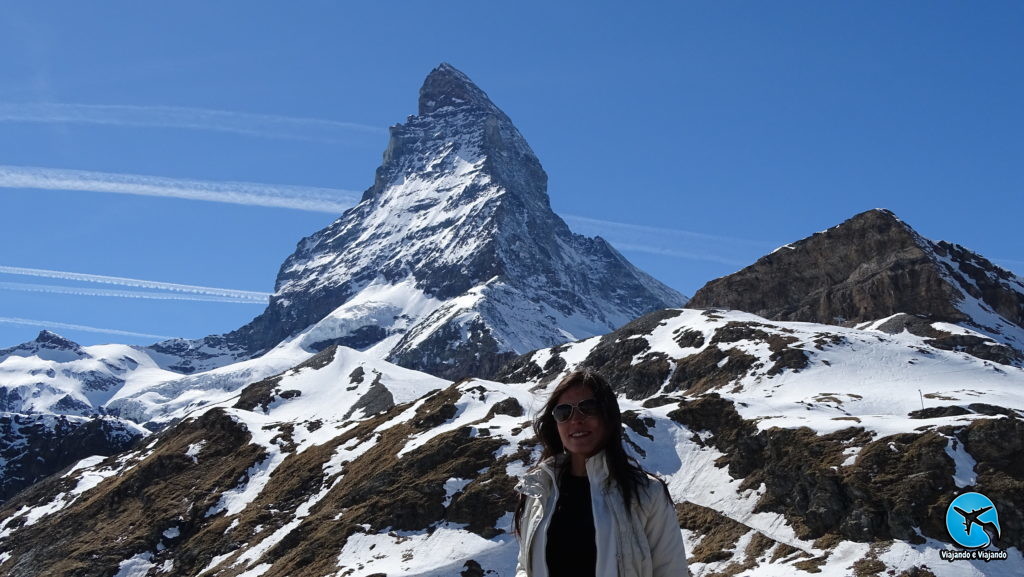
{"x": 875, "y": 266}
{"x": 813, "y": 469}
{"x": 788, "y": 447}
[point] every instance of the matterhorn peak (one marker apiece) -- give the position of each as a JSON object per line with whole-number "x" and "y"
{"x": 453, "y": 261}
{"x": 458, "y": 130}
{"x": 446, "y": 86}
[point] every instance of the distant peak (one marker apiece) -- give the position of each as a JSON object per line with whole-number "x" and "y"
{"x": 448, "y": 86}
{"x": 55, "y": 341}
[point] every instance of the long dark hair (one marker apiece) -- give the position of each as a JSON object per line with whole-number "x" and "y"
{"x": 624, "y": 470}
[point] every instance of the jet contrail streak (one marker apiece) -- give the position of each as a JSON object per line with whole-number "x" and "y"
{"x": 330, "y": 200}
{"x": 244, "y": 123}
{"x": 235, "y": 295}
{"x": 644, "y": 229}
{"x": 72, "y": 327}
{"x": 670, "y": 242}
{"x": 630, "y": 237}
{"x": 79, "y": 291}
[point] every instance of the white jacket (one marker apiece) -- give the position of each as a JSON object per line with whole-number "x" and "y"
{"x": 644, "y": 541}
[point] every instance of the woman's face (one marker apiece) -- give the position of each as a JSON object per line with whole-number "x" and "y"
{"x": 580, "y": 434}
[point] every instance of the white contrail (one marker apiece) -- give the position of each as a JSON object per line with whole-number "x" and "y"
{"x": 262, "y": 125}
{"x": 654, "y": 240}
{"x": 71, "y": 327}
{"x": 331, "y": 200}
{"x": 671, "y": 242}
{"x": 91, "y": 292}
{"x": 641, "y": 228}
{"x": 232, "y": 294}
{"x": 671, "y": 252}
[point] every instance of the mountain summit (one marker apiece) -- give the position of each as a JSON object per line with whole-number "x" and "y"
{"x": 446, "y": 86}
{"x": 874, "y": 266}
{"x": 453, "y": 261}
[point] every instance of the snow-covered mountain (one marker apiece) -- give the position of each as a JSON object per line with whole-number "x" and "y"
{"x": 453, "y": 262}
{"x": 299, "y": 446}
{"x": 52, "y": 393}
{"x": 874, "y": 266}
{"x": 788, "y": 447}
{"x": 55, "y": 375}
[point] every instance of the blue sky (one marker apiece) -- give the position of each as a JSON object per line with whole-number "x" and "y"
{"x": 696, "y": 137}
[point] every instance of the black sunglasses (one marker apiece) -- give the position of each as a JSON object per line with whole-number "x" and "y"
{"x": 587, "y": 408}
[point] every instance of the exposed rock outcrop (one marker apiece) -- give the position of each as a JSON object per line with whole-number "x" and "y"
{"x": 874, "y": 266}
{"x": 33, "y": 447}
{"x": 639, "y": 371}
{"x": 896, "y": 486}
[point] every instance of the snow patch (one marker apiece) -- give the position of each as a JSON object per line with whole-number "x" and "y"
{"x": 250, "y": 486}
{"x": 194, "y": 449}
{"x": 851, "y": 456}
{"x": 436, "y": 554}
{"x": 964, "y": 475}
{"x": 215, "y": 562}
{"x": 137, "y": 566}
{"x": 452, "y": 487}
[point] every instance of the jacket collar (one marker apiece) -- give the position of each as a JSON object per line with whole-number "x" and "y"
{"x": 537, "y": 482}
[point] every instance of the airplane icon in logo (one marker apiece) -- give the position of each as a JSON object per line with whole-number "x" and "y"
{"x": 971, "y": 519}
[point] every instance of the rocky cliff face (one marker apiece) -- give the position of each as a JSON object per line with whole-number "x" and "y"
{"x": 872, "y": 267}
{"x": 453, "y": 261}
{"x": 47, "y": 345}
{"x": 34, "y": 446}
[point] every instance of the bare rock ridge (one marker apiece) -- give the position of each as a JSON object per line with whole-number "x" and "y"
{"x": 869, "y": 267}
{"x": 874, "y": 266}
{"x": 457, "y": 220}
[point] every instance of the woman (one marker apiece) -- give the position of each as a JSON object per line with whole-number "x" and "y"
{"x": 588, "y": 509}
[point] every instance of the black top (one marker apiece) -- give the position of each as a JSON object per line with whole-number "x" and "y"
{"x": 572, "y": 545}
